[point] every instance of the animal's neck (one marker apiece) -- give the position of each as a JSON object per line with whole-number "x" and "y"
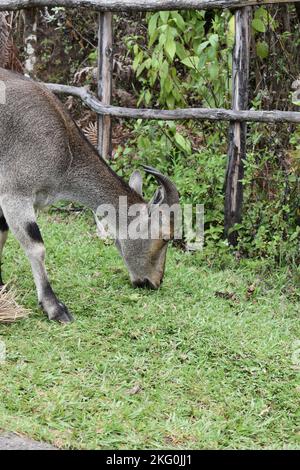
{"x": 93, "y": 183}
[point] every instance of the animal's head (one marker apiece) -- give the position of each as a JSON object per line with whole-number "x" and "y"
{"x": 145, "y": 255}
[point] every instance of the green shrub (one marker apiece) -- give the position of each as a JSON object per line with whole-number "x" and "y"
{"x": 271, "y": 223}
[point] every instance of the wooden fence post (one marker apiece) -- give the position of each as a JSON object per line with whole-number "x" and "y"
{"x": 238, "y": 130}
{"x": 105, "y": 64}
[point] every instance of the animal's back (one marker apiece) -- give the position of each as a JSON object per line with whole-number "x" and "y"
{"x": 34, "y": 133}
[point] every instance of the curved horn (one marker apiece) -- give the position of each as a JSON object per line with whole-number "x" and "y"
{"x": 172, "y": 195}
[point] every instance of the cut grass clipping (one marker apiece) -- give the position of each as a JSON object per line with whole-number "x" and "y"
{"x": 10, "y": 310}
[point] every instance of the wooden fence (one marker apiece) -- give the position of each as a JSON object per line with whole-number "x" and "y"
{"x": 238, "y": 116}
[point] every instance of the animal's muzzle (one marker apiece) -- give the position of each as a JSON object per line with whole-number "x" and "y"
{"x": 146, "y": 284}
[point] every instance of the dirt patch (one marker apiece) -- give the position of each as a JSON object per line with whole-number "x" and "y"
{"x": 11, "y": 441}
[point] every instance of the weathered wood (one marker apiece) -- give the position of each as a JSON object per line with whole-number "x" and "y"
{"x": 105, "y": 61}
{"x": 136, "y": 5}
{"x": 238, "y": 130}
{"x": 202, "y": 114}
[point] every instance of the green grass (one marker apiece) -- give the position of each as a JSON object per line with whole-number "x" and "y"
{"x": 181, "y": 367}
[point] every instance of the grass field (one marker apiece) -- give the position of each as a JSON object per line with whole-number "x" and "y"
{"x": 205, "y": 362}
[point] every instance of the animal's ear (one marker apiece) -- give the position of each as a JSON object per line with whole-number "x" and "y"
{"x": 136, "y": 182}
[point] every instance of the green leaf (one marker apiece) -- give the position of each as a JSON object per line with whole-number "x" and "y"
{"x": 162, "y": 39}
{"x": 295, "y": 234}
{"x": 164, "y": 70}
{"x": 202, "y": 60}
{"x": 137, "y": 60}
{"x": 140, "y": 69}
{"x": 146, "y": 64}
{"x": 262, "y": 49}
{"x": 212, "y": 53}
{"x": 261, "y": 13}
{"x": 191, "y": 62}
{"x": 179, "y": 20}
{"x": 171, "y": 125}
{"x": 183, "y": 143}
{"x": 213, "y": 70}
{"x": 148, "y": 97}
{"x": 170, "y": 46}
{"x": 164, "y": 15}
{"x": 153, "y": 37}
{"x": 214, "y": 39}
{"x": 177, "y": 95}
{"x": 93, "y": 56}
{"x": 202, "y": 46}
{"x": 231, "y": 31}
{"x": 180, "y": 51}
{"x": 170, "y": 101}
{"x": 168, "y": 85}
{"x": 231, "y": 25}
{"x": 152, "y": 25}
{"x": 258, "y": 25}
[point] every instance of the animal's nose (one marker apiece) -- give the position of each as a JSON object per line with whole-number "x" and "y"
{"x": 146, "y": 283}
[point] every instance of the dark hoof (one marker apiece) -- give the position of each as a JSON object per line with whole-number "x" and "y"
{"x": 60, "y": 314}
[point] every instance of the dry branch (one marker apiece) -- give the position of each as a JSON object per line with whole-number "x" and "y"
{"x": 4, "y": 40}
{"x": 136, "y": 5}
{"x": 8, "y": 51}
{"x": 201, "y": 114}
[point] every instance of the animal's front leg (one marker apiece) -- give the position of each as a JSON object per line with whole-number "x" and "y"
{"x": 20, "y": 217}
{"x": 55, "y": 309}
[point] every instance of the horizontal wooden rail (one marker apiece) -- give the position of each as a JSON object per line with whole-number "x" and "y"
{"x": 201, "y": 114}
{"x": 136, "y": 5}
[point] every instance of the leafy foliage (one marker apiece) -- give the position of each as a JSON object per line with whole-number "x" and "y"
{"x": 183, "y": 63}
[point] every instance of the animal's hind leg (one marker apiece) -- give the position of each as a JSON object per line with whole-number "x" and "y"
{"x": 20, "y": 217}
{"x": 3, "y": 238}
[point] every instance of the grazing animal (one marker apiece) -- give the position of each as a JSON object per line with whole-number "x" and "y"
{"x": 44, "y": 158}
